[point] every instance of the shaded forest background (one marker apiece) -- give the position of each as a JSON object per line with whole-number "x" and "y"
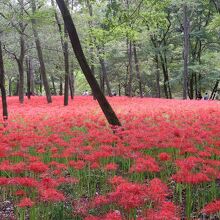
{"x": 149, "y": 48}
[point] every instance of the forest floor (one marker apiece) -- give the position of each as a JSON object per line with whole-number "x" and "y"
{"x": 65, "y": 163}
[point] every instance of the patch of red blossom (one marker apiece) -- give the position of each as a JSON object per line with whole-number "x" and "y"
{"x": 25, "y": 202}
{"x": 166, "y": 211}
{"x": 51, "y": 195}
{"x": 212, "y": 207}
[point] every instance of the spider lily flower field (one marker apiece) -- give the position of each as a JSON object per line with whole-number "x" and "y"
{"x": 65, "y": 163}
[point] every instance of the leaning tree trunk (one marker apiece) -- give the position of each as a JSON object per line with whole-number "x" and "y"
{"x": 2, "y": 85}
{"x": 104, "y": 104}
{"x": 40, "y": 55}
{"x": 186, "y": 51}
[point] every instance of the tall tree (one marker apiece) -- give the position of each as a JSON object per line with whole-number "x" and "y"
{"x": 2, "y": 85}
{"x": 104, "y": 104}
{"x": 185, "y": 50}
{"x": 40, "y": 54}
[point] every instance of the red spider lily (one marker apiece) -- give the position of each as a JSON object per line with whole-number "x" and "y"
{"x": 20, "y": 193}
{"x": 111, "y": 166}
{"x": 167, "y": 211}
{"x": 38, "y": 167}
{"x": 157, "y": 190}
{"x": 212, "y": 207}
{"x": 78, "y": 165}
{"x": 51, "y": 195}
{"x": 145, "y": 164}
{"x": 129, "y": 195}
{"x": 164, "y": 156}
{"x": 25, "y": 202}
{"x": 117, "y": 180}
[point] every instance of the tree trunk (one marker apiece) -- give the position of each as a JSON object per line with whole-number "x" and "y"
{"x": 64, "y": 44}
{"x": 61, "y": 86}
{"x": 54, "y": 87}
{"x": 71, "y": 81}
{"x": 66, "y": 62}
{"x": 40, "y": 55}
{"x": 186, "y": 50}
{"x": 104, "y": 71}
{"x": 104, "y": 104}
{"x": 157, "y": 76}
{"x": 137, "y": 70}
{"x": 2, "y": 85}
{"x": 21, "y": 81}
{"x": 191, "y": 86}
{"x": 130, "y": 69}
{"x": 28, "y": 79}
{"x": 91, "y": 46}
{"x": 31, "y": 72}
{"x": 9, "y": 87}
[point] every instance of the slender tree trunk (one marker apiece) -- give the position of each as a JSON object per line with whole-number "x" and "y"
{"x": 102, "y": 81}
{"x": 191, "y": 86}
{"x": 40, "y": 55}
{"x": 2, "y": 85}
{"x": 196, "y": 85}
{"x": 157, "y": 76}
{"x": 119, "y": 89}
{"x": 166, "y": 77}
{"x": 104, "y": 104}
{"x": 21, "y": 81}
{"x": 92, "y": 41}
{"x": 54, "y": 87}
{"x": 214, "y": 91}
{"x": 186, "y": 51}
{"x": 17, "y": 86}
{"x": 137, "y": 70}
{"x": 104, "y": 71}
{"x": 71, "y": 81}
{"x": 9, "y": 87}
{"x": 66, "y": 62}
{"x": 130, "y": 69}
{"x": 61, "y": 86}
{"x": 28, "y": 79}
{"x": 31, "y": 72}
{"x": 64, "y": 43}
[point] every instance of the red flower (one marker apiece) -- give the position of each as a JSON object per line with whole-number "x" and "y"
{"x": 111, "y": 166}
{"x": 25, "y": 202}
{"x": 164, "y": 156}
{"x": 212, "y": 207}
{"x": 51, "y": 195}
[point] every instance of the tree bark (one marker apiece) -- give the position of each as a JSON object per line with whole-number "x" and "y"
{"x": 28, "y": 79}
{"x": 137, "y": 70}
{"x": 54, "y": 87}
{"x": 2, "y": 85}
{"x": 157, "y": 76}
{"x": 130, "y": 69}
{"x": 40, "y": 55}
{"x": 64, "y": 44}
{"x": 92, "y": 41}
{"x": 66, "y": 63}
{"x": 61, "y": 86}
{"x": 104, "y": 71}
{"x": 104, "y": 104}
{"x": 186, "y": 51}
